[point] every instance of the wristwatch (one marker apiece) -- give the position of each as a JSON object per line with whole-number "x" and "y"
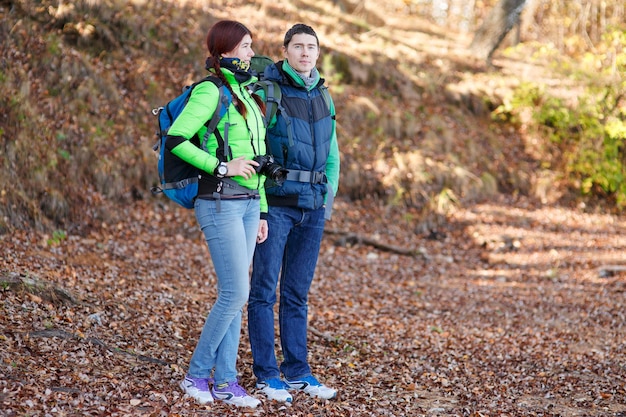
{"x": 221, "y": 170}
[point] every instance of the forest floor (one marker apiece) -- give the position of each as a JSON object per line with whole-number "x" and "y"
{"x": 510, "y": 309}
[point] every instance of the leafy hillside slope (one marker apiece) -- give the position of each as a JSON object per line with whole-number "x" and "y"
{"x": 83, "y": 77}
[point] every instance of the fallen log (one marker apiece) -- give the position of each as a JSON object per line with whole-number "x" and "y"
{"x": 606, "y": 271}
{"x": 27, "y": 283}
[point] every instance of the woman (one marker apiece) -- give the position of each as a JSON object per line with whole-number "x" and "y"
{"x": 230, "y": 221}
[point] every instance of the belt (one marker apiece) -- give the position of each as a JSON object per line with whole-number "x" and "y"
{"x": 218, "y": 196}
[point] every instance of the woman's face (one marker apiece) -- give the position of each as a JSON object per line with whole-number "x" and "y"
{"x": 302, "y": 53}
{"x": 243, "y": 51}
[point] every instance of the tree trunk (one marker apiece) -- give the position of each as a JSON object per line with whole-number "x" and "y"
{"x": 498, "y": 23}
{"x": 528, "y": 24}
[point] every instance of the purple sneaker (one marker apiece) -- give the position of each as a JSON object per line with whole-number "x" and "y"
{"x": 233, "y": 393}
{"x": 197, "y": 388}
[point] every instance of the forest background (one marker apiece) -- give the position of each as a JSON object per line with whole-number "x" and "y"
{"x": 475, "y": 263}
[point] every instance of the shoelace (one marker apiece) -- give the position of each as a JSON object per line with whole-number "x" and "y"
{"x": 276, "y": 383}
{"x": 311, "y": 381}
{"x": 200, "y": 383}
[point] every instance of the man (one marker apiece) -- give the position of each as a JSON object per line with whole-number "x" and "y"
{"x": 302, "y": 138}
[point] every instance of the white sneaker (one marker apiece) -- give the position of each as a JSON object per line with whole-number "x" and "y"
{"x": 234, "y": 394}
{"x": 197, "y": 388}
{"x": 275, "y": 389}
{"x": 313, "y": 387}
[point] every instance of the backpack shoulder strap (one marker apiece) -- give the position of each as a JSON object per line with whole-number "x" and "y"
{"x": 327, "y": 100}
{"x": 273, "y": 96}
{"x": 223, "y": 102}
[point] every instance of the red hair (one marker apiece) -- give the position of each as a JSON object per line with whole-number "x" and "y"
{"x": 224, "y": 37}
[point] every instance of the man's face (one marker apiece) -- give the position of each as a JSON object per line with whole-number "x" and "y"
{"x": 302, "y": 53}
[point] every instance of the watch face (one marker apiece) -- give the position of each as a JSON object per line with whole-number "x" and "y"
{"x": 222, "y": 169}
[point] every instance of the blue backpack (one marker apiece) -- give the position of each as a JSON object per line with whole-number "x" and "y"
{"x": 178, "y": 180}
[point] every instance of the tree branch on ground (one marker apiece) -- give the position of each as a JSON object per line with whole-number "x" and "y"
{"x": 95, "y": 341}
{"x": 349, "y": 238}
{"x": 327, "y": 337}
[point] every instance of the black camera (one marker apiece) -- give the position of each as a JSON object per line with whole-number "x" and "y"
{"x": 269, "y": 168}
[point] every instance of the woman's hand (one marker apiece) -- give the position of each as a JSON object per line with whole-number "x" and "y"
{"x": 242, "y": 167}
{"x": 261, "y": 235}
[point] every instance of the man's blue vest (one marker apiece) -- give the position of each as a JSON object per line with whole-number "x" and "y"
{"x": 305, "y": 151}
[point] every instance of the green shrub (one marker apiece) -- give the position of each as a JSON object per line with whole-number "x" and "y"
{"x": 589, "y": 141}
{"x": 583, "y": 137}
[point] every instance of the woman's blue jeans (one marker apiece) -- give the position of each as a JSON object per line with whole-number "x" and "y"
{"x": 230, "y": 234}
{"x": 291, "y": 249}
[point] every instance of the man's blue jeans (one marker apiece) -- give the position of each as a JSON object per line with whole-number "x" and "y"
{"x": 230, "y": 234}
{"x": 291, "y": 249}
